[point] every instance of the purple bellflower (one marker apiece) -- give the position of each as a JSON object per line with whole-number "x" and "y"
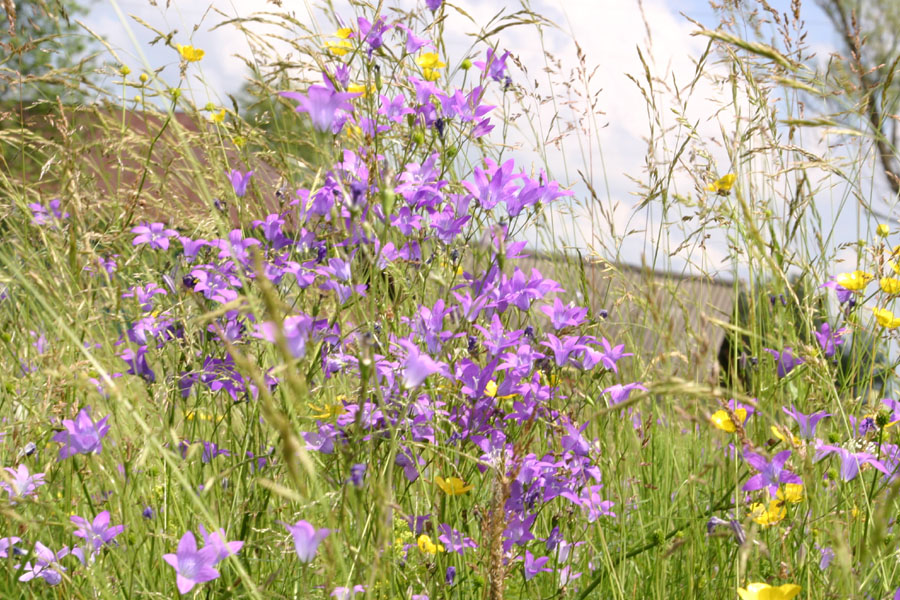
{"x": 20, "y": 483}
{"x": 785, "y": 361}
{"x": 850, "y": 461}
{"x": 239, "y": 181}
{"x": 306, "y": 539}
{"x": 216, "y": 539}
{"x": 533, "y": 565}
{"x": 771, "y": 473}
{"x": 97, "y": 533}
{"x": 828, "y": 339}
{"x": 322, "y": 103}
{"x": 81, "y": 435}
{"x": 807, "y": 423}
{"x": 46, "y": 565}
{"x": 417, "y": 365}
{"x": 192, "y": 566}
{"x": 154, "y": 234}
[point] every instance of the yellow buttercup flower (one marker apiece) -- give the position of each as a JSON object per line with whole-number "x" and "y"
{"x": 427, "y": 546}
{"x": 886, "y": 318}
{"x": 189, "y": 53}
{"x": 854, "y": 281}
{"x": 452, "y": 486}
{"x": 890, "y": 285}
{"x": 343, "y": 45}
{"x": 721, "y": 420}
{"x": 218, "y": 117}
{"x": 883, "y": 230}
{"x": 327, "y": 411}
{"x": 785, "y": 435}
{"x": 722, "y": 185}
{"x": 767, "y": 516}
{"x": 764, "y": 591}
{"x": 430, "y": 62}
{"x": 358, "y": 88}
{"x": 791, "y": 492}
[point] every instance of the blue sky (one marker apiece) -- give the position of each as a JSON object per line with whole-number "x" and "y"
{"x": 609, "y": 32}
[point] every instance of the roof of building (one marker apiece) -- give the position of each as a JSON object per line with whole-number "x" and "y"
{"x": 671, "y": 322}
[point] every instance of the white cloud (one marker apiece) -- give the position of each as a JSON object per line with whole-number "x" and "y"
{"x": 609, "y": 34}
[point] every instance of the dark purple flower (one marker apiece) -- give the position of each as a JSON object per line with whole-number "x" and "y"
{"x": 192, "y": 566}
{"x": 357, "y": 474}
{"x": 433, "y": 5}
{"x": 450, "y": 575}
{"x": 81, "y": 435}
{"x": 733, "y": 524}
{"x": 785, "y": 361}
{"x": 829, "y": 340}
{"x": 137, "y": 363}
{"x": 322, "y": 103}
{"x": 807, "y": 423}
{"x": 154, "y": 234}
{"x": 771, "y": 473}
{"x": 10, "y": 542}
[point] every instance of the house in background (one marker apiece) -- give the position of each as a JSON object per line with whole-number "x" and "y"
{"x": 673, "y": 323}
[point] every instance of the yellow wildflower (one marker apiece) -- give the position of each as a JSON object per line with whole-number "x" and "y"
{"x": 189, "y": 53}
{"x": 427, "y": 546}
{"x": 721, "y": 420}
{"x": 328, "y": 410}
{"x": 890, "y": 285}
{"x": 882, "y": 230}
{"x": 770, "y": 515}
{"x": 886, "y": 318}
{"x": 854, "y": 281}
{"x": 218, "y": 117}
{"x": 783, "y": 434}
{"x": 359, "y": 88}
{"x": 430, "y": 63}
{"x": 722, "y": 185}
{"x": 791, "y": 492}
{"x": 343, "y": 45}
{"x": 452, "y": 486}
{"x": 764, "y": 591}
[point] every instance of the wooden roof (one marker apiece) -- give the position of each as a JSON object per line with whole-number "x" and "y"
{"x": 140, "y": 161}
{"x": 669, "y": 321}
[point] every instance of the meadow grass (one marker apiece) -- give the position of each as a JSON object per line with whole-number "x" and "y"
{"x": 344, "y": 340}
